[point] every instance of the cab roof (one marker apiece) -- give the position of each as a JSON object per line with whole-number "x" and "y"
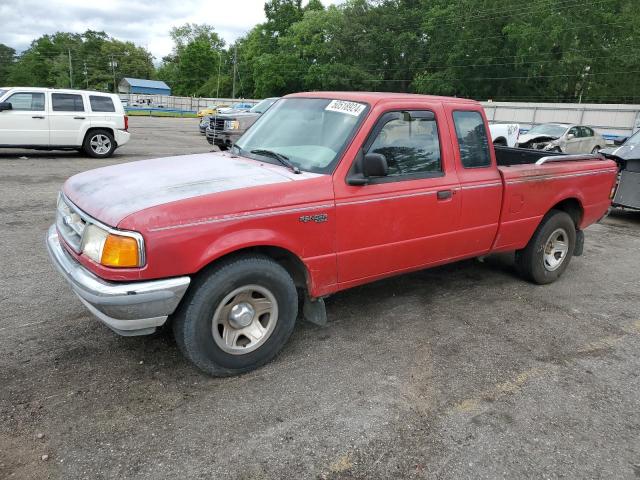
{"x": 374, "y": 97}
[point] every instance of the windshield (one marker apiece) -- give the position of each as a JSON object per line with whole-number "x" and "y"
{"x": 634, "y": 140}
{"x": 310, "y": 132}
{"x": 263, "y": 105}
{"x": 548, "y": 129}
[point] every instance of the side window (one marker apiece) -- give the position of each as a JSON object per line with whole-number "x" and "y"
{"x": 101, "y": 104}
{"x": 472, "y": 139}
{"x": 33, "y": 102}
{"x": 66, "y": 102}
{"x": 574, "y": 131}
{"x": 586, "y": 132}
{"x": 409, "y": 141}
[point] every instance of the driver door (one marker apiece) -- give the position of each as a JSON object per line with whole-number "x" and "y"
{"x": 409, "y": 218}
{"x": 572, "y": 141}
{"x": 27, "y": 123}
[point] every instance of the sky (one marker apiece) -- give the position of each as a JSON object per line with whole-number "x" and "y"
{"x": 145, "y": 23}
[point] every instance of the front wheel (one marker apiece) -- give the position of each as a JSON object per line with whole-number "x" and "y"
{"x": 99, "y": 144}
{"x": 596, "y": 149}
{"x": 549, "y": 251}
{"x": 238, "y": 316}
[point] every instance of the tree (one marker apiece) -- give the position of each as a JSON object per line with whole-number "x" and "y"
{"x": 197, "y": 57}
{"x": 7, "y": 58}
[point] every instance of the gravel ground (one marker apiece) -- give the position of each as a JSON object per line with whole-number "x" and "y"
{"x": 463, "y": 371}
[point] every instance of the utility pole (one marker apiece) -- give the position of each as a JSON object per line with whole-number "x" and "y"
{"x": 235, "y": 64}
{"x": 113, "y": 71}
{"x": 70, "y": 70}
{"x": 219, "y": 65}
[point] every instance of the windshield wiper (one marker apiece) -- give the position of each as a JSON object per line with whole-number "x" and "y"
{"x": 278, "y": 156}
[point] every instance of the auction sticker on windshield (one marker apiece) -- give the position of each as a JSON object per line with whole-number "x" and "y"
{"x": 342, "y": 106}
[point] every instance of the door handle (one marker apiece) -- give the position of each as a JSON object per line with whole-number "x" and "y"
{"x": 445, "y": 194}
{"x": 78, "y": 118}
{"x": 38, "y": 116}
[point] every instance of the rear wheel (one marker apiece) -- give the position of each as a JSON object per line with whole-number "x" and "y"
{"x": 549, "y": 251}
{"x": 238, "y": 316}
{"x": 99, "y": 144}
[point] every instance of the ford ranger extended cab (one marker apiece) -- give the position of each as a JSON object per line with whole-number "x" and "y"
{"x": 326, "y": 191}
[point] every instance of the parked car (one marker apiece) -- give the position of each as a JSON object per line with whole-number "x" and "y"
{"x": 224, "y": 129}
{"x": 325, "y": 192}
{"x": 208, "y": 111}
{"x": 562, "y": 137}
{"x": 204, "y": 123}
{"x": 504, "y": 134}
{"x": 236, "y": 107}
{"x": 627, "y": 155}
{"x": 52, "y": 119}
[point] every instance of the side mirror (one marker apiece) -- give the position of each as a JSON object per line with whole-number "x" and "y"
{"x": 570, "y": 136}
{"x": 5, "y": 106}
{"x": 371, "y": 165}
{"x": 375, "y": 165}
{"x": 620, "y": 140}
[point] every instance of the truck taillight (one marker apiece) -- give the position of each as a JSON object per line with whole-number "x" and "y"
{"x": 126, "y": 123}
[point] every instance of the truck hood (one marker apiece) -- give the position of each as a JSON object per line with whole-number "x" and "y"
{"x": 112, "y": 193}
{"x": 527, "y": 137}
{"x": 625, "y": 152}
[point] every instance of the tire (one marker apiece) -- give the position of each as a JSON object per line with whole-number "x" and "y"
{"x": 595, "y": 150}
{"x": 222, "y": 147}
{"x": 235, "y": 291}
{"x": 99, "y": 144}
{"x": 556, "y": 150}
{"x": 548, "y": 253}
{"x": 500, "y": 142}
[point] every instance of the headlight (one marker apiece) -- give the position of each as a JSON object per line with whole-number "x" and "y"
{"x": 93, "y": 242}
{"x": 109, "y": 249}
{"x": 231, "y": 124}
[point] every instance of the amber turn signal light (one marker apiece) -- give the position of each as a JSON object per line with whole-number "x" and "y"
{"x": 119, "y": 251}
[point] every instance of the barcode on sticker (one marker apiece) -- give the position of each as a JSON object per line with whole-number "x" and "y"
{"x": 342, "y": 106}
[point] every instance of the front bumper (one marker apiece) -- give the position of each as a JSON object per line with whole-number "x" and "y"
{"x": 133, "y": 308}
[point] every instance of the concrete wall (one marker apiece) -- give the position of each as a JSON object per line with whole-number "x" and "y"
{"x": 611, "y": 120}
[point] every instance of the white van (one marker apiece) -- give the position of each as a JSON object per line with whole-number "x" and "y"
{"x": 53, "y": 119}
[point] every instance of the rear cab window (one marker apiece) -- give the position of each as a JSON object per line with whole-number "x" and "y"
{"x": 473, "y": 141}
{"x": 100, "y": 103}
{"x": 410, "y": 143}
{"x": 67, "y": 102}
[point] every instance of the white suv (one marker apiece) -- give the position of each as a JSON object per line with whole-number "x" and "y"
{"x": 52, "y": 119}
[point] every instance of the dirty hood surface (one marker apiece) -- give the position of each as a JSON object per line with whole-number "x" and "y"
{"x": 112, "y": 193}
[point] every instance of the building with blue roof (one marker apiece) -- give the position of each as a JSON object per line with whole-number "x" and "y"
{"x": 139, "y": 85}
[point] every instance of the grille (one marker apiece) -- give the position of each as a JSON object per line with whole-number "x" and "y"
{"x": 217, "y": 124}
{"x": 70, "y": 224}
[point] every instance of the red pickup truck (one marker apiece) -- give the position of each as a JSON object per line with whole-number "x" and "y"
{"x": 326, "y": 191}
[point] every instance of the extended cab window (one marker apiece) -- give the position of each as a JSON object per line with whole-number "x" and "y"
{"x": 33, "y": 102}
{"x": 472, "y": 139}
{"x": 101, "y": 104}
{"x": 66, "y": 102}
{"x": 409, "y": 141}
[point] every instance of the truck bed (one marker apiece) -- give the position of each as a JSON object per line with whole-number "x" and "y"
{"x": 531, "y": 189}
{"x": 508, "y": 156}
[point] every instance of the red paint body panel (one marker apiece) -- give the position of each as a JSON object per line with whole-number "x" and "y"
{"x": 194, "y": 210}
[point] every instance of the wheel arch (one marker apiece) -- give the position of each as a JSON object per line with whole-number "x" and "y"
{"x": 573, "y": 207}
{"x": 501, "y": 141}
{"x": 291, "y": 262}
{"x": 93, "y": 129}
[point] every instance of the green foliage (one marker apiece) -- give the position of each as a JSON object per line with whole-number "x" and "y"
{"x": 541, "y": 50}
{"x": 95, "y": 60}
